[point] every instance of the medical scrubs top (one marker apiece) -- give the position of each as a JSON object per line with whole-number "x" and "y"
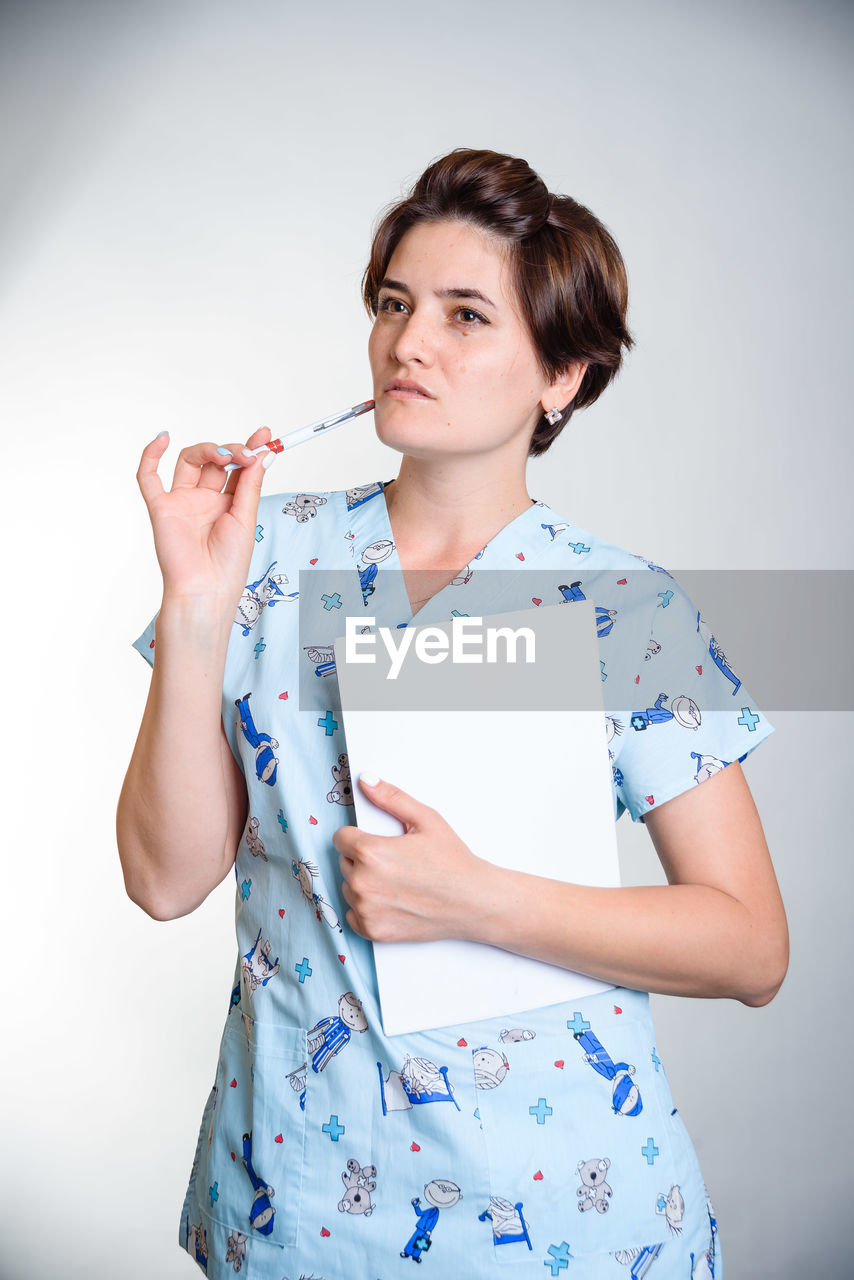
{"x": 538, "y": 1143}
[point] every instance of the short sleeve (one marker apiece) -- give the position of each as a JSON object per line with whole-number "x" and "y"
{"x": 144, "y": 644}
{"x": 692, "y": 715}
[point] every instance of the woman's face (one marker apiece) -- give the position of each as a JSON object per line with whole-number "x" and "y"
{"x": 454, "y": 369}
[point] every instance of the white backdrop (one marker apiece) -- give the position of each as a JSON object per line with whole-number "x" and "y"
{"x": 188, "y": 195}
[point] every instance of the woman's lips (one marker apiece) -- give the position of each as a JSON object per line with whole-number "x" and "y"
{"x": 396, "y": 392}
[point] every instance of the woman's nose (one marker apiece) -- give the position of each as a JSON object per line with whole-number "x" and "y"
{"x": 415, "y": 340}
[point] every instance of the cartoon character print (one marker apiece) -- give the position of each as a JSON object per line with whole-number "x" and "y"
{"x": 508, "y": 1223}
{"x": 613, "y": 729}
{"x": 197, "y": 1244}
{"x": 672, "y": 1207}
{"x": 604, "y": 620}
{"x": 717, "y": 654}
{"x": 439, "y": 1194}
{"x": 359, "y": 1183}
{"x": 653, "y": 649}
{"x": 235, "y": 1249}
{"x": 683, "y": 710}
{"x": 361, "y": 494}
{"x": 305, "y": 874}
{"x": 366, "y": 580}
{"x": 490, "y": 1067}
{"x": 262, "y": 1215}
{"x": 297, "y": 1081}
{"x": 323, "y": 657}
{"x": 640, "y": 1260}
{"x": 376, "y": 552}
{"x": 594, "y": 1192}
{"x": 329, "y": 1036}
{"x": 516, "y": 1034}
{"x": 625, "y": 1095}
{"x": 258, "y": 968}
{"x": 254, "y": 843}
{"x": 266, "y": 763}
{"x": 304, "y": 507}
{"x": 707, "y": 765}
{"x": 267, "y": 590}
{"x": 554, "y": 530}
{"x": 342, "y": 792}
{"x": 419, "y": 1081}
{"x": 572, "y": 592}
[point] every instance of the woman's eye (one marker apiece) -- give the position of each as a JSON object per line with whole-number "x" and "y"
{"x": 470, "y": 317}
{"x": 394, "y": 305}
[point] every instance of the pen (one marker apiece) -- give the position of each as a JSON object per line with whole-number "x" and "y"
{"x": 312, "y": 429}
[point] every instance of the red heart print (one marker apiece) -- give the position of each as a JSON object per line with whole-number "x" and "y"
{"x": 341, "y": 958}
{"x": 415, "y": 1147}
{"x": 462, "y": 1043}
{"x": 637, "y": 679}
{"x": 283, "y": 696}
{"x": 538, "y": 1177}
{"x": 281, "y": 913}
{"x": 278, "y": 1138}
{"x": 621, "y": 582}
{"x": 617, "y": 1009}
{"x": 323, "y": 1231}
{"x": 234, "y": 1157}
{"x": 699, "y": 671}
{"x": 534, "y": 600}
{"x": 233, "y": 1084}
{"x": 519, "y": 555}
{"x": 650, "y": 799}
{"x": 151, "y": 646}
{"x": 312, "y": 819}
{"x": 314, "y": 561}
{"x": 559, "y": 1063}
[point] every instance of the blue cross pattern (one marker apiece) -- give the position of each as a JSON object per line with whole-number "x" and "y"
{"x": 213, "y": 1192}
{"x": 282, "y": 820}
{"x": 578, "y": 547}
{"x": 541, "y": 1110}
{"x": 331, "y": 602}
{"x": 259, "y": 532}
{"x": 656, "y": 1060}
{"x": 328, "y": 723}
{"x": 259, "y": 648}
{"x": 749, "y": 719}
{"x": 578, "y": 1024}
{"x": 333, "y": 1128}
{"x": 560, "y": 1257}
{"x": 456, "y": 614}
{"x": 650, "y": 1151}
{"x": 246, "y": 889}
{"x": 665, "y": 597}
{"x": 303, "y": 969}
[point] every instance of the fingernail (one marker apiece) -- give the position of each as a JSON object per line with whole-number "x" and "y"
{"x": 226, "y": 453}
{"x": 248, "y": 453}
{"x": 161, "y": 433}
{"x": 268, "y": 460}
{"x": 369, "y": 779}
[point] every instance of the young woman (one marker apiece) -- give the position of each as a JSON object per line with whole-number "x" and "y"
{"x": 549, "y": 1137}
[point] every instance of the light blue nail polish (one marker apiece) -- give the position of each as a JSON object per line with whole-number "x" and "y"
{"x": 161, "y": 433}
{"x": 226, "y": 453}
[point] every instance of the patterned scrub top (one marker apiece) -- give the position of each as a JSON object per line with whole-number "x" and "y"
{"x": 536, "y": 1144}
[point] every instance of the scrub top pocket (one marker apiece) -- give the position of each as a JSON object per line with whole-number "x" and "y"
{"x": 252, "y": 1158}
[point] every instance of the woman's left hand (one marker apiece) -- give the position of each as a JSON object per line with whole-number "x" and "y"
{"x": 415, "y": 887}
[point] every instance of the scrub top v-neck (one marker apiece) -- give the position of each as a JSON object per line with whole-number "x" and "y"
{"x": 550, "y": 1137}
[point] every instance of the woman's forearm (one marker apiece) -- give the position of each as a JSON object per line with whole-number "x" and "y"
{"x": 180, "y": 813}
{"x": 680, "y": 939}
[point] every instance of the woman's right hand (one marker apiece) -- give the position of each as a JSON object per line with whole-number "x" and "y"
{"x": 204, "y": 526}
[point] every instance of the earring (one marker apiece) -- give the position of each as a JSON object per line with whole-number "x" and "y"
{"x": 554, "y": 416}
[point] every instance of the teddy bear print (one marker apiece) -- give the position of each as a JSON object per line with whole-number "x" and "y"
{"x": 304, "y": 506}
{"x": 254, "y": 841}
{"x": 358, "y": 1182}
{"x": 594, "y": 1192}
{"x": 342, "y": 792}
{"x": 672, "y": 1206}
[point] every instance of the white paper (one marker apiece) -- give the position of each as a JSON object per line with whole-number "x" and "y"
{"x": 527, "y": 790}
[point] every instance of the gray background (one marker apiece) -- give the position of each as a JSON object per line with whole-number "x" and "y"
{"x": 188, "y": 193}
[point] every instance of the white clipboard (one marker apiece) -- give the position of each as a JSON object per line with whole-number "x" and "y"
{"x": 525, "y": 785}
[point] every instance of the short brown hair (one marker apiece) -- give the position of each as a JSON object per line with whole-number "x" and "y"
{"x": 567, "y": 272}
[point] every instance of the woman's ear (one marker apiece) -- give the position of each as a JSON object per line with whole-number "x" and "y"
{"x": 564, "y": 388}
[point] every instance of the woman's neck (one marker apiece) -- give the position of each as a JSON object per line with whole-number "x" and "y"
{"x": 443, "y": 515}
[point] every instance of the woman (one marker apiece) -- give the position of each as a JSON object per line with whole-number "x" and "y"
{"x": 326, "y": 1147}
